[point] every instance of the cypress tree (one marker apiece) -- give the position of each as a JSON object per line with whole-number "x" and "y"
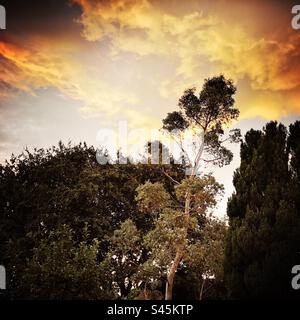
{"x": 263, "y": 238}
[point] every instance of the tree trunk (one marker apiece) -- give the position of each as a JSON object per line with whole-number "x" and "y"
{"x": 146, "y": 296}
{"x": 171, "y": 275}
{"x": 181, "y": 248}
{"x": 179, "y": 252}
{"x": 201, "y": 290}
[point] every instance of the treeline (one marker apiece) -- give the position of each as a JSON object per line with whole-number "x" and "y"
{"x": 73, "y": 229}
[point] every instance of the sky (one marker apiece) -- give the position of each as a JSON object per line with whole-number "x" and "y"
{"x": 70, "y": 68}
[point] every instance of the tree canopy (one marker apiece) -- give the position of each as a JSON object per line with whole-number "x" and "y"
{"x": 263, "y": 239}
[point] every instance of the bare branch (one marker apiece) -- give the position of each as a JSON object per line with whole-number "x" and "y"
{"x": 211, "y": 160}
{"x": 227, "y": 139}
{"x": 175, "y": 181}
{"x": 183, "y": 150}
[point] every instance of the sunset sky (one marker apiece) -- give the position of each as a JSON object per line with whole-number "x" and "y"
{"x": 69, "y": 68}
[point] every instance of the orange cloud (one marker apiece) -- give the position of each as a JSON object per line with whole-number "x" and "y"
{"x": 45, "y": 65}
{"x": 160, "y": 49}
{"x": 204, "y": 42}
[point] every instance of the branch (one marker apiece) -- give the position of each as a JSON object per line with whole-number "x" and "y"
{"x": 182, "y": 149}
{"x": 211, "y": 160}
{"x": 170, "y": 177}
{"x": 222, "y": 141}
{"x": 200, "y": 152}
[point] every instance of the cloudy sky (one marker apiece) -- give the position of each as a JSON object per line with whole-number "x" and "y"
{"x": 71, "y": 67}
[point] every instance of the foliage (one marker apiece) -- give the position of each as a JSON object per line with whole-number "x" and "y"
{"x": 140, "y": 226}
{"x": 122, "y": 260}
{"x": 172, "y": 230}
{"x": 152, "y": 197}
{"x": 204, "y": 193}
{"x": 60, "y": 268}
{"x": 207, "y": 116}
{"x": 42, "y": 190}
{"x": 199, "y": 130}
{"x": 263, "y": 240}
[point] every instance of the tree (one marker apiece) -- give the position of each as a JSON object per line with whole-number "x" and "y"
{"x": 205, "y": 258}
{"x": 204, "y": 118}
{"x": 174, "y": 235}
{"x": 293, "y": 146}
{"x": 263, "y": 238}
{"x": 42, "y": 190}
{"x": 123, "y": 259}
{"x": 61, "y": 268}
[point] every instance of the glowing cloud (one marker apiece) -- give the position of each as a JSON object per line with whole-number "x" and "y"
{"x": 134, "y": 58}
{"x": 200, "y": 43}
